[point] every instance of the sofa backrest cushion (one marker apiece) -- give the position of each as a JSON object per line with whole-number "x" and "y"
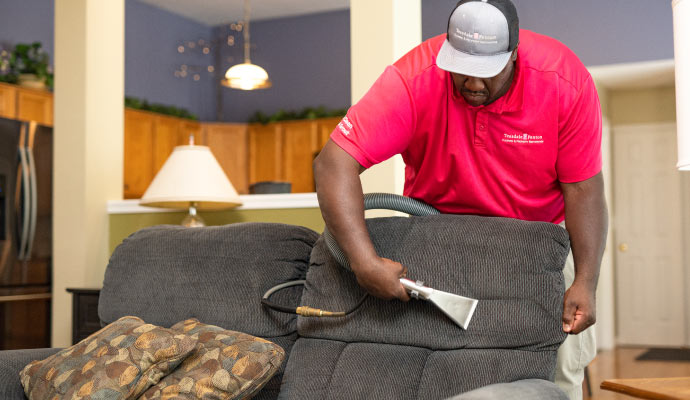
{"x": 166, "y": 274}
{"x": 394, "y": 350}
{"x": 514, "y": 268}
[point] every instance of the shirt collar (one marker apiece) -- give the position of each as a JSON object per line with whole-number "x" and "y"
{"x": 512, "y": 101}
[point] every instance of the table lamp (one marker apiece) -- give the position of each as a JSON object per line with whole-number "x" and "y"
{"x": 191, "y": 178}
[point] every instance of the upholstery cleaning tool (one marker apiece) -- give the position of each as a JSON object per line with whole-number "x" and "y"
{"x": 458, "y": 308}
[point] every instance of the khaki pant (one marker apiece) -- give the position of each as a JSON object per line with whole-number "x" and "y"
{"x": 576, "y": 352}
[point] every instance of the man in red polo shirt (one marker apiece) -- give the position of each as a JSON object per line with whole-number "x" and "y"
{"x": 486, "y": 127}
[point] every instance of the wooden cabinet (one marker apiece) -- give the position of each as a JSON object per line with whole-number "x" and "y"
{"x": 229, "y": 144}
{"x": 139, "y": 151}
{"x": 282, "y": 151}
{"x": 324, "y": 128}
{"x": 300, "y": 144}
{"x": 26, "y": 104}
{"x": 8, "y": 101}
{"x": 265, "y": 152}
{"x": 35, "y": 105}
{"x": 150, "y": 138}
{"x": 285, "y": 151}
{"x": 164, "y": 139}
{"x": 187, "y": 128}
{"x": 85, "y": 320}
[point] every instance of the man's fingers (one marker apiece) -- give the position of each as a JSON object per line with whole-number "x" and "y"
{"x": 403, "y": 296}
{"x": 582, "y": 321}
{"x": 569, "y": 309}
{"x": 576, "y": 325}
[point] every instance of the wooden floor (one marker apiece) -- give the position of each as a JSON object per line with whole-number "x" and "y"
{"x": 620, "y": 363}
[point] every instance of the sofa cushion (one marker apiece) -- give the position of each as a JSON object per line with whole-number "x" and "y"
{"x": 526, "y": 389}
{"x": 329, "y": 369}
{"x": 224, "y": 365}
{"x": 514, "y": 269}
{"x": 121, "y": 360}
{"x": 11, "y": 363}
{"x": 166, "y": 274}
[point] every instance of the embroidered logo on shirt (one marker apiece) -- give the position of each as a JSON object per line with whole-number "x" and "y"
{"x": 522, "y": 138}
{"x": 345, "y": 126}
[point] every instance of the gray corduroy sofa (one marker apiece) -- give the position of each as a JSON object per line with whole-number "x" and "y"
{"x": 384, "y": 350}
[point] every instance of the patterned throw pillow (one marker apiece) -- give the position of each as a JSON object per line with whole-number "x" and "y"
{"x": 119, "y": 361}
{"x": 225, "y": 365}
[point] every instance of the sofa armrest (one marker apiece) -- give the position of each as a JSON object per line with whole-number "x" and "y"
{"x": 533, "y": 389}
{"x": 11, "y": 363}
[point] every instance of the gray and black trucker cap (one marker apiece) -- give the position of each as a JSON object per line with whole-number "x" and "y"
{"x": 482, "y": 35}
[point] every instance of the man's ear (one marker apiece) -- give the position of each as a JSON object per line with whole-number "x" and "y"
{"x": 515, "y": 53}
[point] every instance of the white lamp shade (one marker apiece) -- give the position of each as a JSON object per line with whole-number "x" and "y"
{"x": 681, "y": 40}
{"x": 246, "y": 76}
{"x": 191, "y": 174}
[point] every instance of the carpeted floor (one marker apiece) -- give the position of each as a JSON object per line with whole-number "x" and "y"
{"x": 665, "y": 354}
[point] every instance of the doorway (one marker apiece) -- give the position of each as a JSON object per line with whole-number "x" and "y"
{"x": 649, "y": 240}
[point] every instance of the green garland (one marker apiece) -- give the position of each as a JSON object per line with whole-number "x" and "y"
{"x": 138, "y": 104}
{"x": 307, "y": 113}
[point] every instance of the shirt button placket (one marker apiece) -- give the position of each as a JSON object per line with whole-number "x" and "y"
{"x": 481, "y": 127}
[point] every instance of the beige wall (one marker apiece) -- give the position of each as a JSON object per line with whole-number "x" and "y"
{"x": 123, "y": 225}
{"x": 639, "y": 106}
{"x": 644, "y": 106}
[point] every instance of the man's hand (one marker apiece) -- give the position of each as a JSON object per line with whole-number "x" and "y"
{"x": 579, "y": 308}
{"x": 380, "y": 277}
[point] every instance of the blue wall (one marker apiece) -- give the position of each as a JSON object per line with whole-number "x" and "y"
{"x": 151, "y": 38}
{"x": 307, "y": 59}
{"x": 599, "y": 32}
{"x": 27, "y": 21}
{"x": 151, "y": 57}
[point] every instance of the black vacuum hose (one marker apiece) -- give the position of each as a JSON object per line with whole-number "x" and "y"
{"x": 374, "y": 201}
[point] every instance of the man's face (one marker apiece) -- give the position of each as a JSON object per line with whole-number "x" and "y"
{"x": 484, "y": 91}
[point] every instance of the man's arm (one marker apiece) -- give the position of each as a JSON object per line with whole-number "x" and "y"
{"x": 339, "y": 191}
{"x": 586, "y": 219}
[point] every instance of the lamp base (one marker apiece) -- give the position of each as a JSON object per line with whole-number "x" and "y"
{"x": 193, "y": 220}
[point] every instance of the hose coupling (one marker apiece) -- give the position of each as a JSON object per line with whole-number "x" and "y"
{"x": 307, "y": 311}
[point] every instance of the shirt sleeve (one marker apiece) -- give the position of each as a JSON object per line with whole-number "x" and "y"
{"x": 381, "y": 124}
{"x": 579, "y": 139}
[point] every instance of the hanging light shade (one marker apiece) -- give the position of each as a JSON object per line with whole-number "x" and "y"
{"x": 246, "y": 76}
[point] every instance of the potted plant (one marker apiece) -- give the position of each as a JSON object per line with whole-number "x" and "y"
{"x": 30, "y": 63}
{"x": 6, "y": 73}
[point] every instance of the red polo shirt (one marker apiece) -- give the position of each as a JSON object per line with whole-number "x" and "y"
{"x": 505, "y": 159}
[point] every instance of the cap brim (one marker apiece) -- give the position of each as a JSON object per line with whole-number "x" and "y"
{"x": 478, "y": 66}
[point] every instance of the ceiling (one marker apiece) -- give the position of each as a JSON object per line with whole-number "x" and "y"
{"x": 217, "y": 12}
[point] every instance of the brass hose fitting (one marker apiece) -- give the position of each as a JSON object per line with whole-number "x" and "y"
{"x": 307, "y": 311}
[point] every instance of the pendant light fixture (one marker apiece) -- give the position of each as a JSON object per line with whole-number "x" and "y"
{"x": 246, "y": 76}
